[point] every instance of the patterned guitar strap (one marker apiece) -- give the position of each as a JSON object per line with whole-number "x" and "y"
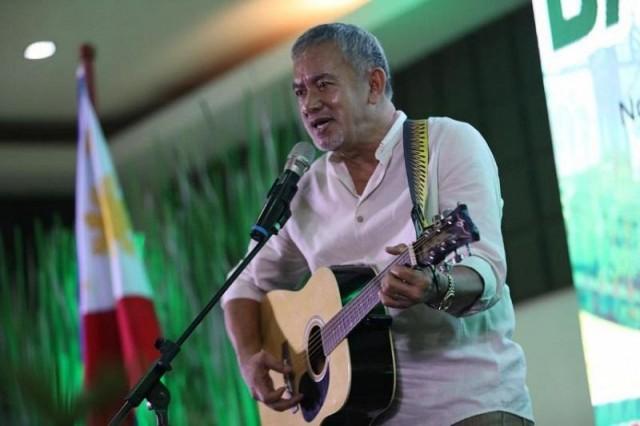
{"x": 416, "y": 157}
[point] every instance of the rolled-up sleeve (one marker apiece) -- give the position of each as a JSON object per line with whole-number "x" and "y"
{"x": 278, "y": 265}
{"x": 467, "y": 173}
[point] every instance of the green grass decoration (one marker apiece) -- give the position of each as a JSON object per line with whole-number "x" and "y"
{"x": 194, "y": 230}
{"x": 39, "y": 349}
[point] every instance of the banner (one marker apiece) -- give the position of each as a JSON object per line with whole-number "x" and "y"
{"x": 590, "y": 57}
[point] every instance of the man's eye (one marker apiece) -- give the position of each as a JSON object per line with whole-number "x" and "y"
{"x": 298, "y": 92}
{"x": 322, "y": 84}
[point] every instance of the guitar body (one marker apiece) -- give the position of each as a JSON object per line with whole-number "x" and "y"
{"x": 334, "y": 333}
{"x": 356, "y": 382}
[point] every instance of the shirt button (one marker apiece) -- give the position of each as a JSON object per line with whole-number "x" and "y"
{"x": 360, "y": 219}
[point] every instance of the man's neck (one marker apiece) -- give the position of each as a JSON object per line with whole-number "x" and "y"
{"x": 360, "y": 158}
{"x": 364, "y": 151}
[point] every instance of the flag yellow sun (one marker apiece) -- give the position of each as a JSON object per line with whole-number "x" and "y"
{"x": 109, "y": 219}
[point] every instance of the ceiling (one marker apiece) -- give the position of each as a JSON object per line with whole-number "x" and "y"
{"x": 148, "y": 53}
{"x": 158, "y": 60}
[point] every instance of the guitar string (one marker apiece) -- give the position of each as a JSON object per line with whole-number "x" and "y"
{"x": 331, "y": 327}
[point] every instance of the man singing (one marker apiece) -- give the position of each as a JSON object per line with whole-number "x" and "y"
{"x": 456, "y": 362}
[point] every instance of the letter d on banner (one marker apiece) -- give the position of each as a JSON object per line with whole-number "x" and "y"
{"x": 565, "y": 31}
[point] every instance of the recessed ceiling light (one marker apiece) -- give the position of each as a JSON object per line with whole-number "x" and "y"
{"x": 40, "y": 50}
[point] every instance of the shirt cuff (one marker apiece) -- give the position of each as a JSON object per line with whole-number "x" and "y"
{"x": 489, "y": 294}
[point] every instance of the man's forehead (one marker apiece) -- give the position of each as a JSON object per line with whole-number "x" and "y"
{"x": 312, "y": 65}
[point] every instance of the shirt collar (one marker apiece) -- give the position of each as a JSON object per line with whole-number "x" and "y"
{"x": 391, "y": 138}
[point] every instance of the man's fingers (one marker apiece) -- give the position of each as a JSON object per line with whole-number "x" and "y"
{"x": 394, "y": 284}
{"x": 395, "y": 293}
{"x": 397, "y": 249}
{"x": 397, "y": 301}
{"x": 284, "y": 404}
{"x": 269, "y": 396}
{"x": 403, "y": 287}
{"x": 256, "y": 373}
{"x": 273, "y": 363}
{"x": 262, "y": 388}
{"x": 410, "y": 275}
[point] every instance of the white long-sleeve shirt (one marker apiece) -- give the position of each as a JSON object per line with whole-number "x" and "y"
{"x": 448, "y": 368}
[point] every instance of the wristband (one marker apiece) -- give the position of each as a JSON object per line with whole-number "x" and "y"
{"x": 443, "y": 302}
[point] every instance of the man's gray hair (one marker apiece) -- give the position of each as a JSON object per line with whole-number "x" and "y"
{"x": 359, "y": 47}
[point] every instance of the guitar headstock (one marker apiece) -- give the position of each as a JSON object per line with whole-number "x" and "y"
{"x": 449, "y": 232}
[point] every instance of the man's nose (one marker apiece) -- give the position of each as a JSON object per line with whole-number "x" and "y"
{"x": 311, "y": 103}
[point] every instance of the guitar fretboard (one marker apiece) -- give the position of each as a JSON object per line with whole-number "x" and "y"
{"x": 443, "y": 237}
{"x": 355, "y": 311}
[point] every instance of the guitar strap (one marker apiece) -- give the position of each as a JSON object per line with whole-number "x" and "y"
{"x": 416, "y": 156}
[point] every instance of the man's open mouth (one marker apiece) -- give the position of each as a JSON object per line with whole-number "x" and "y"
{"x": 320, "y": 123}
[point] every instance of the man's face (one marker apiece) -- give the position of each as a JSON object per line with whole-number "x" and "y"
{"x": 332, "y": 97}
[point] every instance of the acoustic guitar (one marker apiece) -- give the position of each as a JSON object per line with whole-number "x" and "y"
{"x": 334, "y": 333}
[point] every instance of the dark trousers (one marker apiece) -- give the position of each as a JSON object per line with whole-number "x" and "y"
{"x": 495, "y": 418}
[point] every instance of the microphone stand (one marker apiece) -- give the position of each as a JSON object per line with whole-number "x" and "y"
{"x": 273, "y": 216}
{"x": 150, "y": 386}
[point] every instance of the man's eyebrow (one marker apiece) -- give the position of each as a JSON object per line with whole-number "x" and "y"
{"x": 313, "y": 79}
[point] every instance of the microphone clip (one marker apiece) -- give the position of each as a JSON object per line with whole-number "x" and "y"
{"x": 274, "y": 215}
{"x": 276, "y": 210}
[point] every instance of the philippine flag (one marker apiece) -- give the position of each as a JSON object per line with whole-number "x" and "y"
{"x": 119, "y": 324}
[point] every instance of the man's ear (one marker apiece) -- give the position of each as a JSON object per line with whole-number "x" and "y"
{"x": 377, "y": 82}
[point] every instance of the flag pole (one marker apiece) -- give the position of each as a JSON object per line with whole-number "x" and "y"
{"x": 87, "y": 56}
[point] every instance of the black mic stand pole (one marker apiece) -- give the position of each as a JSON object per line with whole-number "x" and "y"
{"x": 150, "y": 386}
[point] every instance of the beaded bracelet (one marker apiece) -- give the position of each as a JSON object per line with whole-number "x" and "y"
{"x": 447, "y": 300}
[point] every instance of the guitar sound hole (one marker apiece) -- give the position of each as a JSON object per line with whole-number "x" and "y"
{"x": 315, "y": 351}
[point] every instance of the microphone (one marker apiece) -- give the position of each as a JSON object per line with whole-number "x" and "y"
{"x": 276, "y": 210}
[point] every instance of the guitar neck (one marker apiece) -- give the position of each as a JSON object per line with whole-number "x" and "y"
{"x": 448, "y": 233}
{"x": 356, "y": 310}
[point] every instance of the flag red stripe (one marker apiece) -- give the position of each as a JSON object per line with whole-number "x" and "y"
{"x": 138, "y": 332}
{"x": 104, "y": 376}
{"x": 101, "y": 344}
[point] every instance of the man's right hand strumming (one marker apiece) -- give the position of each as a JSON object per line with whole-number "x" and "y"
{"x": 242, "y": 318}
{"x": 255, "y": 371}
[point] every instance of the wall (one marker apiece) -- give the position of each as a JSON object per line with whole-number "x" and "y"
{"x": 547, "y": 329}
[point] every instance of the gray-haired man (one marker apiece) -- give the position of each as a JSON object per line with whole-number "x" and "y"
{"x": 456, "y": 362}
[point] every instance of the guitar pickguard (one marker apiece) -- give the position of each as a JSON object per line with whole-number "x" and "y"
{"x": 314, "y": 393}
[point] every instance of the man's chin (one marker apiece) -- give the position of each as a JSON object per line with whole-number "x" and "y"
{"x": 326, "y": 144}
